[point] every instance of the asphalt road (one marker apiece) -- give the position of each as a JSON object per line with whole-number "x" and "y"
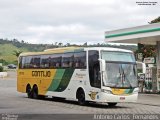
{"x": 16, "y": 105}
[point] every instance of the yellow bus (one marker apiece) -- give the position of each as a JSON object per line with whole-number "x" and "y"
{"x": 96, "y": 74}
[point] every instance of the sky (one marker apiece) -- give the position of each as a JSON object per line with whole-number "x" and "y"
{"x": 71, "y": 21}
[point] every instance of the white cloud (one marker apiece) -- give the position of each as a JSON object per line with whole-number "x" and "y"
{"x": 65, "y": 33}
{"x": 74, "y": 21}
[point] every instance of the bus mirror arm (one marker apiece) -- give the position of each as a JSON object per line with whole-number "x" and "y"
{"x": 103, "y": 65}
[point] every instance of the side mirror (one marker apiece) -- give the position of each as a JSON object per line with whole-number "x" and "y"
{"x": 103, "y": 65}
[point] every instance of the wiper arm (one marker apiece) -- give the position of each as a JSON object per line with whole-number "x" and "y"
{"x": 125, "y": 78}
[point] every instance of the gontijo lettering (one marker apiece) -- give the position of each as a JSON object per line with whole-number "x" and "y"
{"x": 41, "y": 73}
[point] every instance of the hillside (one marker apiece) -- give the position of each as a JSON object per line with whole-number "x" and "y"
{"x": 7, "y": 48}
{"x": 26, "y": 46}
{"x": 6, "y": 52}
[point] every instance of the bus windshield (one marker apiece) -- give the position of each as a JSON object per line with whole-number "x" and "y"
{"x": 120, "y": 70}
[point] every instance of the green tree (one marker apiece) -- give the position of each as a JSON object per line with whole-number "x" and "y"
{"x": 60, "y": 44}
{"x": 148, "y": 50}
{"x": 1, "y": 69}
{"x": 17, "y": 53}
{"x": 155, "y": 20}
{"x": 3, "y": 62}
{"x": 85, "y": 44}
{"x": 68, "y": 44}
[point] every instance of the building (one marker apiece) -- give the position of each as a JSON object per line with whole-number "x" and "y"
{"x": 146, "y": 34}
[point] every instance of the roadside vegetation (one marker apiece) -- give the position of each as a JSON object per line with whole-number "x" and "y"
{"x": 1, "y": 69}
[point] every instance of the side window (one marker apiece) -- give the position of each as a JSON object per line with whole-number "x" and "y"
{"x": 80, "y": 60}
{"x": 94, "y": 68}
{"x": 67, "y": 60}
{"x": 27, "y": 62}
{"x": 45, "y": 59}
{"x": 20, "y": 62}
{"x": 55, "y": 61}
{"x": 35, "y": 62}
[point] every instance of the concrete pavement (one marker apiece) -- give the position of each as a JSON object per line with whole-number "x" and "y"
{"x": 149, "y": 99}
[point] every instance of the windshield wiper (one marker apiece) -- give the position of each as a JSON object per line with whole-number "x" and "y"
{"x": 125, "y": 78}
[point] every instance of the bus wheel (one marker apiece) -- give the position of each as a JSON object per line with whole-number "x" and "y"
{"x": 41, "y": 97}
{"x": 29, "y": 91}
{"x": 35, "y": 92}
{"x": 112, "y": 104}
{"x": 81, "y": 97}
{"x": 57, "y": 98}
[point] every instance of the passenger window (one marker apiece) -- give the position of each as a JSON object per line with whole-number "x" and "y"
{"x": 45, "y": 59}
{"x": 67, "y": 60}
{"x": 55, "y": 61}
{"x": 27, "y": 62}
{"x": 35, "y": 62}
{"x": 80, "y": 60}
{"x": 20, "y": 62}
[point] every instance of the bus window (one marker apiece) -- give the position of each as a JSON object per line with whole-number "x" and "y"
{"x": 80, "y": 60}
{"x": 45, "y": 61}
{"x": 55, "y": 61}
{"x": 27, "y": 62}
{"x": 67, "y": 60}
{"x": 21, "y": 62}
{"x": 35, "y": 62}
{"x": 94, "y": 68}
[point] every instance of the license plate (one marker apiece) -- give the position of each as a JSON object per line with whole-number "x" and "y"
{"x": 122, "y": 98}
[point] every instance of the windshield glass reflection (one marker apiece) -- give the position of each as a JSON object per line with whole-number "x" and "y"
{"x": 120, "y": 75}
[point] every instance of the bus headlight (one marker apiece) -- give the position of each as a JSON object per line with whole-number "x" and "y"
{"x": 106, "y": 91}
{"x": 136, "y": 91}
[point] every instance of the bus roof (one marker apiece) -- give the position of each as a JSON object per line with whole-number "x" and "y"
{"x": 61, "y": 49}
{"x": 107, "y": 49}
{"x": 54, "y": 50}
{"x": 72, "y": 49}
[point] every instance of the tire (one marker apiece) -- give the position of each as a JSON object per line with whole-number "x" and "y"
{"x": 29, "y": 91}
{"x": 58, "y": 99}
{"x": 41, "y": 97}
{"x": 35, "y": 92}
{"x": 112, "y": 104}
{"x": 81, "y": 97}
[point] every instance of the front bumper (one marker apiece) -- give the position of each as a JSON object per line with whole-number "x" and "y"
{"x": 117, "y": 98}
